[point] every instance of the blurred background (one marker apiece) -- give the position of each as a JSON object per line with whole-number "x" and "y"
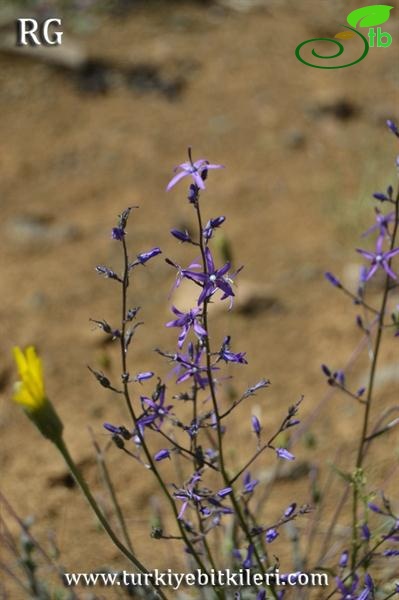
{"x": 98, "y": 124}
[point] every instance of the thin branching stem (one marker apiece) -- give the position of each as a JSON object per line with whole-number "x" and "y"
{"x": 369, "y": 397}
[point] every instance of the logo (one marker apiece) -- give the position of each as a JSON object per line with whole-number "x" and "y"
{"x": 30, "y": 31}
{"x": 366, "y": 17}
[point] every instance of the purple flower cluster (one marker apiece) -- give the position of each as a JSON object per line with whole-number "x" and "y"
{"x": 201, "y": 505}
{"x": 355, "y": 576}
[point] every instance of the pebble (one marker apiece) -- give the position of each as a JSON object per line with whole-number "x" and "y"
{"x": 30, "y": 229}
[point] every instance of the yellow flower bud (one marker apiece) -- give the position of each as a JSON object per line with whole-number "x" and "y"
{"x": 30, "y": 393}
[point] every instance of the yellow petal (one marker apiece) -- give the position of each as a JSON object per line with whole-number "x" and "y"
{"x": 20, "y": 360}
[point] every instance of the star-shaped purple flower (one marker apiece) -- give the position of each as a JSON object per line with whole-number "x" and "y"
{"x": 191, "y": 364}
{"x": 186, "y": 321}
{"x": 213, "y": 279}
{"x": 228, "y": 356}
{"x": 381, "y": 224}
{"x": 156, "y": 411}
{"x": 249, "y": 484}
{"x": 379, "y": 259}
{"x": 197, "y": 170}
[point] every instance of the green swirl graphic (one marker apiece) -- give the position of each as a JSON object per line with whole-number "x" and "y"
{"x": 338, "y": 53}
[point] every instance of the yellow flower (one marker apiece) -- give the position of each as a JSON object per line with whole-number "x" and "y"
{"x": 30, "y": 390}
{"x": 30, "y": 393}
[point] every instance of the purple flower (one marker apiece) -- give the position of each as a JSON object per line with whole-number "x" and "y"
{"x": 228, "y": 356}
{"x": 108, "y": 273}
{"x": 143, "y": 376}
{"x": 263, "y": 383}
{"x": 212, "y": 225}
{"x": 375, "y": 508}
{"x": 146, "y": 256}
{"x": 256, "y": 426}
{"x": 224, "y": 492}
{"x": 290, "y": 510}
{"x": 348, "y": 591}
{"x": 366, "y": 535}
{"x": 186, "y": 321}
{"x": 283, "y": 453}
{"x": 380, "y": 196}
{"x": 247, "y": 564}
{"x": 191, "y": 364}
{"x": 332, "y": 279}
{"x": 182, "y": 236}
{"x": 271, "y": 535}
{"x": 118, "y": 430}
{"x": 197, "y": 170}
{"x": 390, "y": 552}
{"x": 117, "y": 233}
{"x": 162, "y": 454}
{"x": 393, "y": 127}
{"x": 182, "y": 272}
{"x": 156, "y": 410}
{"x": 261, "y": 595}
{"x": 369, "y": 582}
{"x": 379, "y": 259}
{"x": 249, "y": 484}
{"x": 188, "y": 494}
{"x": 381, "y": 224}
{"x": 212, "y": 280}
{"x": 365, "y": 595}
{"x": 343, "y": 561}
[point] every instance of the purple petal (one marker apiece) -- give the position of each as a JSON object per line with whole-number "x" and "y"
{"x": 199, "y": 330}
{"x": 391, "y": 253}
{"x": 206, "y": 292}
{"x": 379, "y": 244}
{"x": 388, "y": 269}
{"x": 210, "y": 166}
{"x": 223, "y": 269}
{"x": 225, "y": 287}
{"x": 285, "y": 454}
{"x": 371, "y": 272}
{"x": 176, "y": 179}
{"x": 368, "y": 255}
{"x": 182, "y": 510}
{"x": 143, "y": 376}
{"x": 162, "y": 454}
{"x": 256, "y": 426}
{"x": 198, "y": 181}
{"x": 209, "y": 261}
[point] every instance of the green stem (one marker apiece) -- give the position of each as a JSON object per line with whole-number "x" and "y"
{"x": 369, "y": 398}
{"x": 111, "y": 490}
{"x": 226, "y": 479}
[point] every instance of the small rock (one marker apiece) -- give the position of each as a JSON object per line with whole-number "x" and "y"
{"x": 243, "y": 6}
{"x": 28, "y": 229}
{"x": 294, "y": 139}
{"x": 253, "y": 298}
{"x": 340, "y": 108}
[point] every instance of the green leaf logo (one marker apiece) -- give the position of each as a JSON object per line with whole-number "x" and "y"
{"x": 369, "y": 16}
